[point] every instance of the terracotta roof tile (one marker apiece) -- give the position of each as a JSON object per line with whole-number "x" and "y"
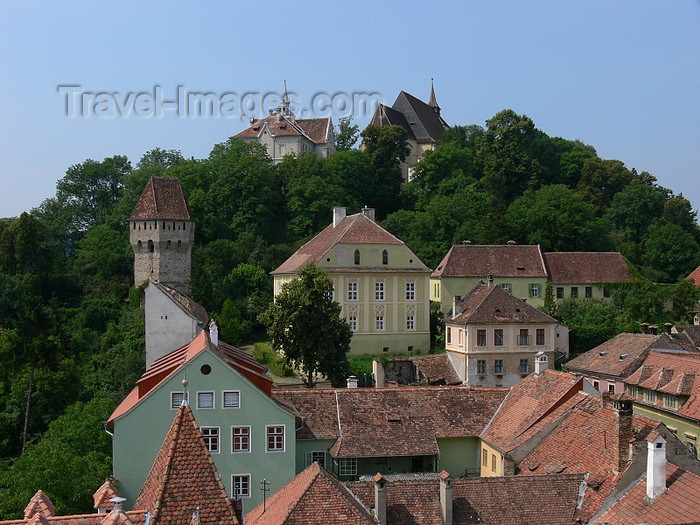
{"x": 162, "y": 199}
{"x": 507, "y": 260}
{"x": 39, "y": 504}
{"x": 695, "y": 276}
{"x": 314, "y": 496}
{"x": 316, "y": 130}
{"x": 183, "y": 478}
{"x": 403, "y": 421}
{"x": 586, "y": 267}
{"x": 104, "y": 494}
{"x": 436, "y": 369}
{"x": 692, "y": 332}
{"x": 492, "y": 304}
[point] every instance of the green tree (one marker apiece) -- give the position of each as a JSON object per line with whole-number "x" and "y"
{"x": 670, "y": 253}
{"x": 346, "y": 134}
{"x": 352, "y": 172}
{"x": 685, "y": 296}
{"x": 304, "y": 324}
{"x": 602, "y": 179}
{"x": 634, "y": 209}
{"x": 592, "y": 322}
{"x": 550, "y": 304}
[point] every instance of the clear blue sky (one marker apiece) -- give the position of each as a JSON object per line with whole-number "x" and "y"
{"x": 623, "y": 76}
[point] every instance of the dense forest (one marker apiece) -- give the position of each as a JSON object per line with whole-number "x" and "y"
{"x": 71, "y": 328}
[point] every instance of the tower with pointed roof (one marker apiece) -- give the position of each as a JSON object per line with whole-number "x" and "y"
{"x": 161, "y": 229}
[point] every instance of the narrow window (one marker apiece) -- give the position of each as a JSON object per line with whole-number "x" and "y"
{"x": 140, "y": 246}
{"x": 449, "y": 335}
{"x": 240, "y": 439}
{"x": 485, "y": 460}
{"x": 211, "y": 438}
{"x": 498, "y": 366}
{"x": 589, "y": 292}
{"x": 151, "y": 247}
{"x": 352, "y": 291}
{"x": 379, "y": 291}
{"x": 357, "y": 256}
{"x": 379, "y": 322}
{"x": 481, "y": 367}
{"x": 534, "y": 290}
{"x": 498, "y": 337}
{"x": 410, "y": 291}
{"x": 385, "y": 257}
{"x": 493, "y": 462}
{"x": 574, "y": 292}
{"x": 539, "y": 335}
{"x": 611, "y": 388}
{"x": 481, "y": 338}
{"x": 352, "y": 321}
{"x": 410, "y": 323}
{"x": 560, "y": 292}
{"x": 524, "y": 366}
{"x": 524, "y": 337}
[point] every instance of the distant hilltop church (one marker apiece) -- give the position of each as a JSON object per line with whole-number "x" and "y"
{"x": 423, "y": 124}
{"x": 283, "y": 134}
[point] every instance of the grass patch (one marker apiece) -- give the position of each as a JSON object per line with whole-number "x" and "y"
{"x": 272, "y": 360}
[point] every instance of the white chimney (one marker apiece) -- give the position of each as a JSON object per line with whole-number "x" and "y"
{"x": 446, "y": 497}
{"x": 338, "y": 215}
{"x": 214, "y": 332}
{"x": 380, "y": 498}
{"x": 352, "y": 382}
{"x": 541, "y": 363}
{"x": 368, "y": 212}
{"x": 656, "y": 468}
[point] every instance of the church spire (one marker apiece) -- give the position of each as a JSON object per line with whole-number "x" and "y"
{"x": 433, "y": 101}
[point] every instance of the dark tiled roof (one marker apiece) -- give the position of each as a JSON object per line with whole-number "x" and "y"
{"x": 586, "y": 267}
{"x": 544, "y": 500}
{"x": 402, "y": 421}
{"x": 679, "y": 504}
{"x": 353, "y": 229}
{"x": 316, "y": 130}
{"x": 425, "y": 122}
{"x": 162, "y": 199}
{"x": 492, "y": 304}
{"x": 506, "y": 260}
{"x": 387, "y": 116}
{"x": 190, "y": 306}
{"x": 529, "y": 406}
{"x": 436, "y": 369}
{"x": 692, "y": 332}
{"x": 620, "y": 356}
{"x": 184, "y": 479}
{"x": 314, "y": 496}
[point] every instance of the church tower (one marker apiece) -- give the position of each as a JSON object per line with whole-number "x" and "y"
{"x": 162, "y": 233}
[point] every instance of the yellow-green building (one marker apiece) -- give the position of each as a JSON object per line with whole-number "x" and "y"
{"x": 381, "y": 285}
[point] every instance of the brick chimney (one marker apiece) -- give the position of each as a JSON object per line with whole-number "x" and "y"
{"x": 656, "y": 468}
{"x": 654, "y": 329}
{"x": 368, "y": 212}
{"x": 446, "y": 497}
{"x": 622, "y": 408}
{"x": 380, "y": 498}
{"x": 338, "y": 215}
{"x": 668, "y": 327}
{"x": 645, "y": 328}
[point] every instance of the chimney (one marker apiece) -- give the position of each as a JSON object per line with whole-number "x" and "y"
{"x": 446, "y": 497}
{"x": 466, "y": 242}
{"x": 118, "y": 503}
{"x": 511, "y": 243}
{"x": 489, "y": 280}
{"x": 656, "y": 468}
{"x": 338, "y": 215}
{"x": 352, "y": 382}
{"x": 368, "y": 212}
{"x": 622, "y": 408}
{"x": 668, "y": 327}
{"x": 645, "y": 328}
{"x": 380, "y": 498}
{"x": 378, "y": 372}
{"x": 654, "y": 329}
{"x": 213, "y": 332}
{"x": 541, "y": 363}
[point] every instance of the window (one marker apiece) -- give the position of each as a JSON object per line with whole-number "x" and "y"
{"x": 498, "y": 337}
{"x": 534, "y": 290}
{"x": 588, "y": 291}
{"x": 560, "y": 292}
{"x": 524, "y": 337}
{"x": 151, "y": 247}
{"x": 596, "y": 385}
{"x": 379, "y": 322}
{"x": 539, "y": 336}
{"x": 507, "y": 287}
{"x": 232, "y": 398}
{"x": 410, "y": 291}
{"x": 316, "y": 456}
{"x": 485, "y": 458}
{"x": 611, "y": 388}
{"x": 606, "y": 292}
{"x": 205, "y": 400}
{"x": 211, "y": 438}
{"x": 493, "y": 462}
{"x": 352, "y": 321}
{"x": 347, "y": 466}
{"x": 275, "y": 438}
{"x": 330, "y": 293}
{"x": 631, "y": 390}
{"x": 352, "y": 291}
{"x": 449, "y": 335}
{"x": 670, "y": 401}
{"x": 691, "y": 442}
{"x": 385, "y": 257}
{"x": 410, "y": 323}
{"x": 240, "y": 439}
{"x": 240, "y": 485}
{"x": 524, "y": 366}
{"x": 649, "y": 396}
{"x": 176, "y": 399}
{"x": 498, "y": 366}
{"x": 481, "y": 338}
{"x": 379, "y": 291}
{"x": 481, "y": 366}
{"x": 574, "y": 292}
{"x": 357, "y": 256}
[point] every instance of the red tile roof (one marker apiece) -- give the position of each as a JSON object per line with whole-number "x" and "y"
{"x": 314, "y": 496}
{"x": 353, "y": 229}
{"x": 316, "y": 129}
{"x": 436, "y": 369}
{"x": 507, "y": 260}
{"x": 586, "y": 267}
{"x": 104, "y": 494}
{"x": 531, "y": 404}
{"x": 162, "y": 199}
{"x": 544, "y": 500}
{"x": 695, "y": 276}
{"x": 404, "y": 421}
{"x": 183, "y": 479}
{"x": 679, "y": 504}
{"x": 492, "y": 304}
{"x": 171, "y": 363}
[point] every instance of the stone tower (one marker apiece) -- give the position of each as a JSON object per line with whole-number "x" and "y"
{"x": 162, "y": 233}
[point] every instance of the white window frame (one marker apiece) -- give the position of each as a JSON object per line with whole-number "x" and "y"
{"x": 212, "y": 435}
{"x": 410, "y": 322}
{"x": 240, "y": 477}
{"x": 534, "y": 289}
{"x": 276, "y": 437}
{"x": 379, "y": 290}
{"x": 379, "y": 322}
{"x": 352, "y": 291}
{"x": 524, "y": 366}
{"x": 347, "y": 466}
{"x": 506, "y": 286}
{"x": 174, "y": 405}
{"x": 314, "y": 455}
{"x": 498, "y": 366}
{"x": 203, "y": 393}
{"x": 481, "y": 366}
{"x": 352, "y": 322}
{"x": 410, "y": 291}
{"x": 223, "y": 399}
{"x": 233, "y": 439}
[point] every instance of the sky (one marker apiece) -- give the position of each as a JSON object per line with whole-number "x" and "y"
{"x": 93, "y": 79}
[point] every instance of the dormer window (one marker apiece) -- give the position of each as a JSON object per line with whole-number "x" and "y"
{"x": 357, "y": 256}
{"x": 603, "y": 354}
{"x": 623, "y": 357}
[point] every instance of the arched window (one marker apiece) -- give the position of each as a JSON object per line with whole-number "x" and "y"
{"x": 139, "y": 246}
{"x": 357, "y": 256}
{"x": 151, "y": 247}
{"x": 167, "y": 246}
{"x": 385, "y": 257}
{"x": 179, "y": 244}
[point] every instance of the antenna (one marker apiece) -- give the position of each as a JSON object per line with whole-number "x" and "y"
{"x": 185, "y": 397}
